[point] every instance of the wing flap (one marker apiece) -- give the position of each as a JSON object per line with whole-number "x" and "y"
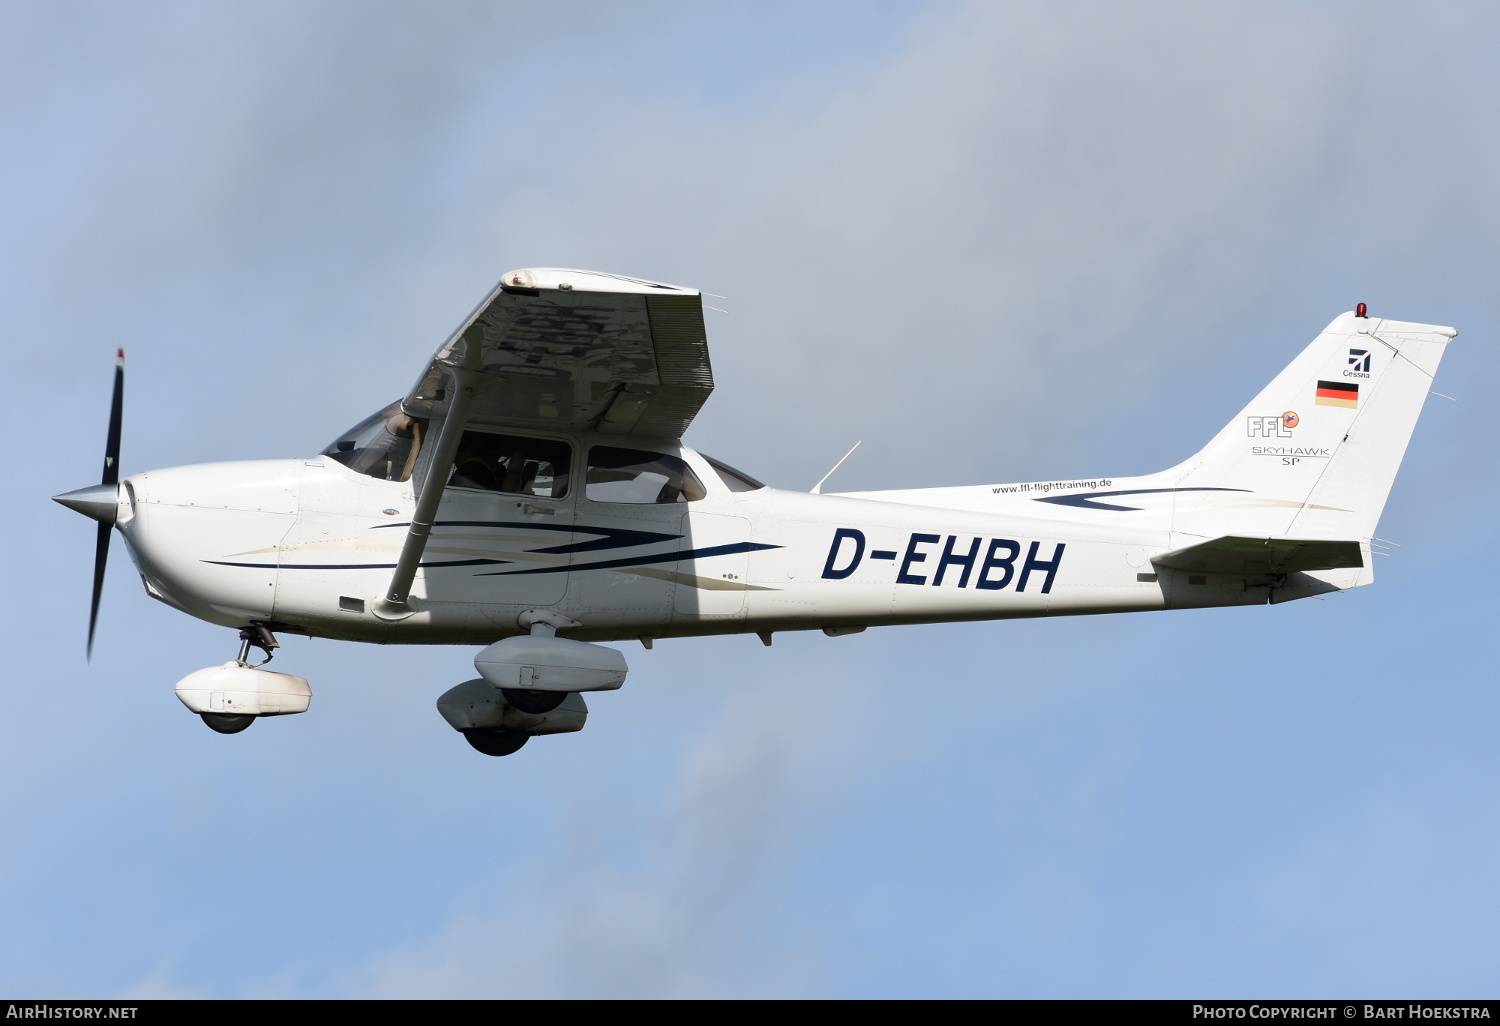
{"x": 1257, "y": 556}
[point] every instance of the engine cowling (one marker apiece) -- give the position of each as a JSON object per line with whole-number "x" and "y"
{"x": 477, "y": 705}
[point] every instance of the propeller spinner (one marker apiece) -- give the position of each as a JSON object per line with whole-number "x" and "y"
{"x": 101, "y": 502}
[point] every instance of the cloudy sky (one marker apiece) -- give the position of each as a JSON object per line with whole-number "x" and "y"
{"x": 995, "y": 242}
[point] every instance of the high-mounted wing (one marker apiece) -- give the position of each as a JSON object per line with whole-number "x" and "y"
{"x": 553, "y": 348}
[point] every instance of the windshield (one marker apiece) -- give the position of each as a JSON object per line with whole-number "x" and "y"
{"x": 383, "y": 445}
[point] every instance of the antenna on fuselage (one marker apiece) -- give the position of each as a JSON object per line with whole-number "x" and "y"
{"x": 817, "y": 489}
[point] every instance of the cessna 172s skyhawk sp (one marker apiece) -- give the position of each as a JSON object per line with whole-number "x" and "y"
{"x": 531, "y": 494}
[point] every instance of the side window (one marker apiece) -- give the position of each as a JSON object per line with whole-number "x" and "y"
{"x": 513, "y": 465}
{"x": 637, "y": 476}
{"x": 734, "y": 480}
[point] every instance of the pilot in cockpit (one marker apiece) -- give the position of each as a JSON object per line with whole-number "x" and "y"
{"x": 495, "y": 463}
{"x": 473, "y": 468}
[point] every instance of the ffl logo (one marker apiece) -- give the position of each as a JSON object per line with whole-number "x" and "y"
{"x": 1271, "y": 427}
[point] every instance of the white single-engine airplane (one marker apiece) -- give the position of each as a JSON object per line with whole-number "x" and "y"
{"x": 531, "y": 494}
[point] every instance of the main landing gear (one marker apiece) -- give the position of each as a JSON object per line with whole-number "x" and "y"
{"x": 530, "y": 685}
{"x": 529, "y": 700}
{"x": 495, "y": 741}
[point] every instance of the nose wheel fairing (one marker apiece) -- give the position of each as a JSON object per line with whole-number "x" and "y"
{"x": 237, "y": 689}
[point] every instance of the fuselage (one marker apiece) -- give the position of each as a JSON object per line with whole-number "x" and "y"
{"x": 444, "y": 517}
{"x": 310, "y": 545}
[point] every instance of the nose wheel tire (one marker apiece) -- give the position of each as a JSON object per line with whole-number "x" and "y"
{"x": 534, "y": 702}
{"x": 227, "y": 723}
{"x": 493, "y": 741}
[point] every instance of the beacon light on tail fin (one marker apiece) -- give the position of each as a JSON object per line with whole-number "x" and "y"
{"x": 531, "y": 497}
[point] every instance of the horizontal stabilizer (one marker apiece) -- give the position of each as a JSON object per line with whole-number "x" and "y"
{"x": 1236, "y": 555}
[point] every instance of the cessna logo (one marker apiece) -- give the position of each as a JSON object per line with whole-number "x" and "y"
{"x": 1271, "y": 427}
{"x": 1359, "y": 364}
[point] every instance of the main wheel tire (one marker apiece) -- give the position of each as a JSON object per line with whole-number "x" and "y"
{"x": 493, "y": 741}
{"x": 534, "y": 702}
{"x": 227, "y": 723}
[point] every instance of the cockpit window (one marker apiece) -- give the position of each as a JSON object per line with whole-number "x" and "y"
{"x": 734, "y": 480}
{"x": 638, "y": 476}
{"x": 384, "y": 445}
{"x": 511, "y": 464}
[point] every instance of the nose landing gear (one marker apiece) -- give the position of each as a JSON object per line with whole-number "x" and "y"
{"x": 226, "y": 723}
{"x": 257, "y": 635}
{"x": 229, "y": 698}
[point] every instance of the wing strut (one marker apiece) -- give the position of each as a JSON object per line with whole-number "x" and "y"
{"x": 393, "y": 604}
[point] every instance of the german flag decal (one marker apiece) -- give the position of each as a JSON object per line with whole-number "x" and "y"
{"x": 1337, "y": 393}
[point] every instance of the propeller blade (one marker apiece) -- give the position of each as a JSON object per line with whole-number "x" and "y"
{"x": 101, "y": 556}
{"x": 110, "y": 477}
{"x": 112, "y": 441}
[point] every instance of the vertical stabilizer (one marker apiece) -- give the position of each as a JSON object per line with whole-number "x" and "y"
{"x": 1315, "y": 454}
